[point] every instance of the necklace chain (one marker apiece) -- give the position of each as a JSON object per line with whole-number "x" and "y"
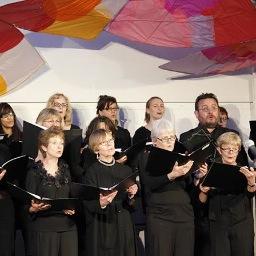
{"x": 107, "y": 164}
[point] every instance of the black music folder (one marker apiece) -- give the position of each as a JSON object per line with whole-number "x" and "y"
{"x": 30, "y": 138}
{"x": 132, "y": 151}
{"x": 161, "y": 162}
{"x": 16, "y": 169}
{"x": 87, "y": 192}
{"x": 57, "y": 204}
{"x": 73, "y": 140}
{"x": 225, "y": 177}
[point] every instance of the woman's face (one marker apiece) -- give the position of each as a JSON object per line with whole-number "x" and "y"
{"x": 55, "y": 147}
{"x": 166, "y": 140}
{"x": 107, "y": 147}
{"x": 228, "y": 152}
{"x": 60, "y": 105}
{"x": 156, "y": 109}
{"x": 110, "y": 112}
{"x": 51, "y": 121}
{"x": 7, "y": 120}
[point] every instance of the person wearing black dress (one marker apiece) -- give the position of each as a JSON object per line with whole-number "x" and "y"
{"x": 51, "y": 233}
{"x": 170, "y": 217}
{"x": 154, "y": 111}
{"x": 230, "y": 213}
{"x": 9, "y": 148}
{"x": 207, "y": 113}
{"x": 107, "y": 106}
{"x": 109, "y": 227}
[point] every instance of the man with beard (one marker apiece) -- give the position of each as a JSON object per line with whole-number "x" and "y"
{"x": 208, "y": 130}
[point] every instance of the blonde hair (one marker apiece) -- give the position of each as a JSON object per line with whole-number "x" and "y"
{"x": 97, "y": 137}
{"x": 47, "y": 113}
{"x": 68, "y": 116}
{"x": 229, "y": 138}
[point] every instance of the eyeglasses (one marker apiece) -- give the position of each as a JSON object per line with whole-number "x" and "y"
{"x": 167, "y": 139}
{"x": 50, "y": 121}
{"x": 111, "y": 109}
{"x": 207, "y": 109}
{"x": 107, "y": 142}
{"x": 5, "y": 116}
{"x": 230, "y": 149}
{"x": 58, "y": 105}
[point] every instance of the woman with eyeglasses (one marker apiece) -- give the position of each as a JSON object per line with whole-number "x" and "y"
{"x": 107, "y": 106}
{"x": 155, "y": 110}
{"x": 50, "y": 232}
{"x": 169, "y": 212}
{"x": 49, "y": 117}
{"x": 109, "y": 228}
{"x": 9, "y": 148}
{"x": 61, "y": 103}
{"x": 230, "y": 213}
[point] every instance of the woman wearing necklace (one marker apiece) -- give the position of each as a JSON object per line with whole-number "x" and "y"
{"x": 51, "y": 233}
{"x": 109, "y": 228}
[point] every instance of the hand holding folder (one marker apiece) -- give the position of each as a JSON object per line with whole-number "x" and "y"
{"x": 87, "y": 192}
{"x": 225, "y": 177}
{"x": 26, "y": 197}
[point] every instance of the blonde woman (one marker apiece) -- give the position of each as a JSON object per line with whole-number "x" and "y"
{"x": 230, "y": 214}
{"x": 61, "y": 103}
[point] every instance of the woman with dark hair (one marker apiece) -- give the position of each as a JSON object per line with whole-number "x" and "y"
{"x": 10, "y": 130}
{"x": 154, "y": 111}
{"x": 8, "y": 149}
{"x": 107, "y": 106}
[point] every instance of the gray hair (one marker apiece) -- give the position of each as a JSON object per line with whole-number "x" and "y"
{"x": 160, "y": 126}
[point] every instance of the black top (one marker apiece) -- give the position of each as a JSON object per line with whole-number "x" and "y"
{"x": 122, "y": 138}
{"x": 169, "y": 199}
{"x": 39, "y": 182}
{"x": 141, "y": 134}
{"x": 88, "y": 157}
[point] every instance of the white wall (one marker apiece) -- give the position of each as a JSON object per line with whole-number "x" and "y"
{"x": 128, "y": 71}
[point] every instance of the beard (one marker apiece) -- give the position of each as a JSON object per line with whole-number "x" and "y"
{"x": 211, "y": 125}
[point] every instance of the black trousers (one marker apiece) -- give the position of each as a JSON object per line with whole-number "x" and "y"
{"x": 167, "y": 238}
{"x": 53, "y": 243}
{"x": 232, "y": 239}
{"x": 6, "y": 227}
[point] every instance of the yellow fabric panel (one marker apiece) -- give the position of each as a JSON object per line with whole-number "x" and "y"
{"x": 87, "y": 27}
{"x": 3, "y": 86}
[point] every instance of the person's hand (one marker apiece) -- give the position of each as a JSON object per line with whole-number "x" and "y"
{"x": 204, "y": 189}
{"x": 2, "y": 173}
{"x": 122, "y": 160}
{"x": 250, "y": 175}
{"x": 107, "y": 199}
{"x": 69, "y": 212}
{"x": 179, "y": 171}
{"x": 38, "y": 206}
{"x": 201, "y": 172}
{"x": 132, "y": 190}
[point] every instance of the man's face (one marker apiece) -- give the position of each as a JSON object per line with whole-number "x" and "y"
{"x": 208, "y": 113}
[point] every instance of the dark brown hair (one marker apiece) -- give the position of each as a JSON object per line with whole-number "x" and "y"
{"x": 5, "y": 108}
{"x": 205, "y": 96}
{"x": 104, "y": 102}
